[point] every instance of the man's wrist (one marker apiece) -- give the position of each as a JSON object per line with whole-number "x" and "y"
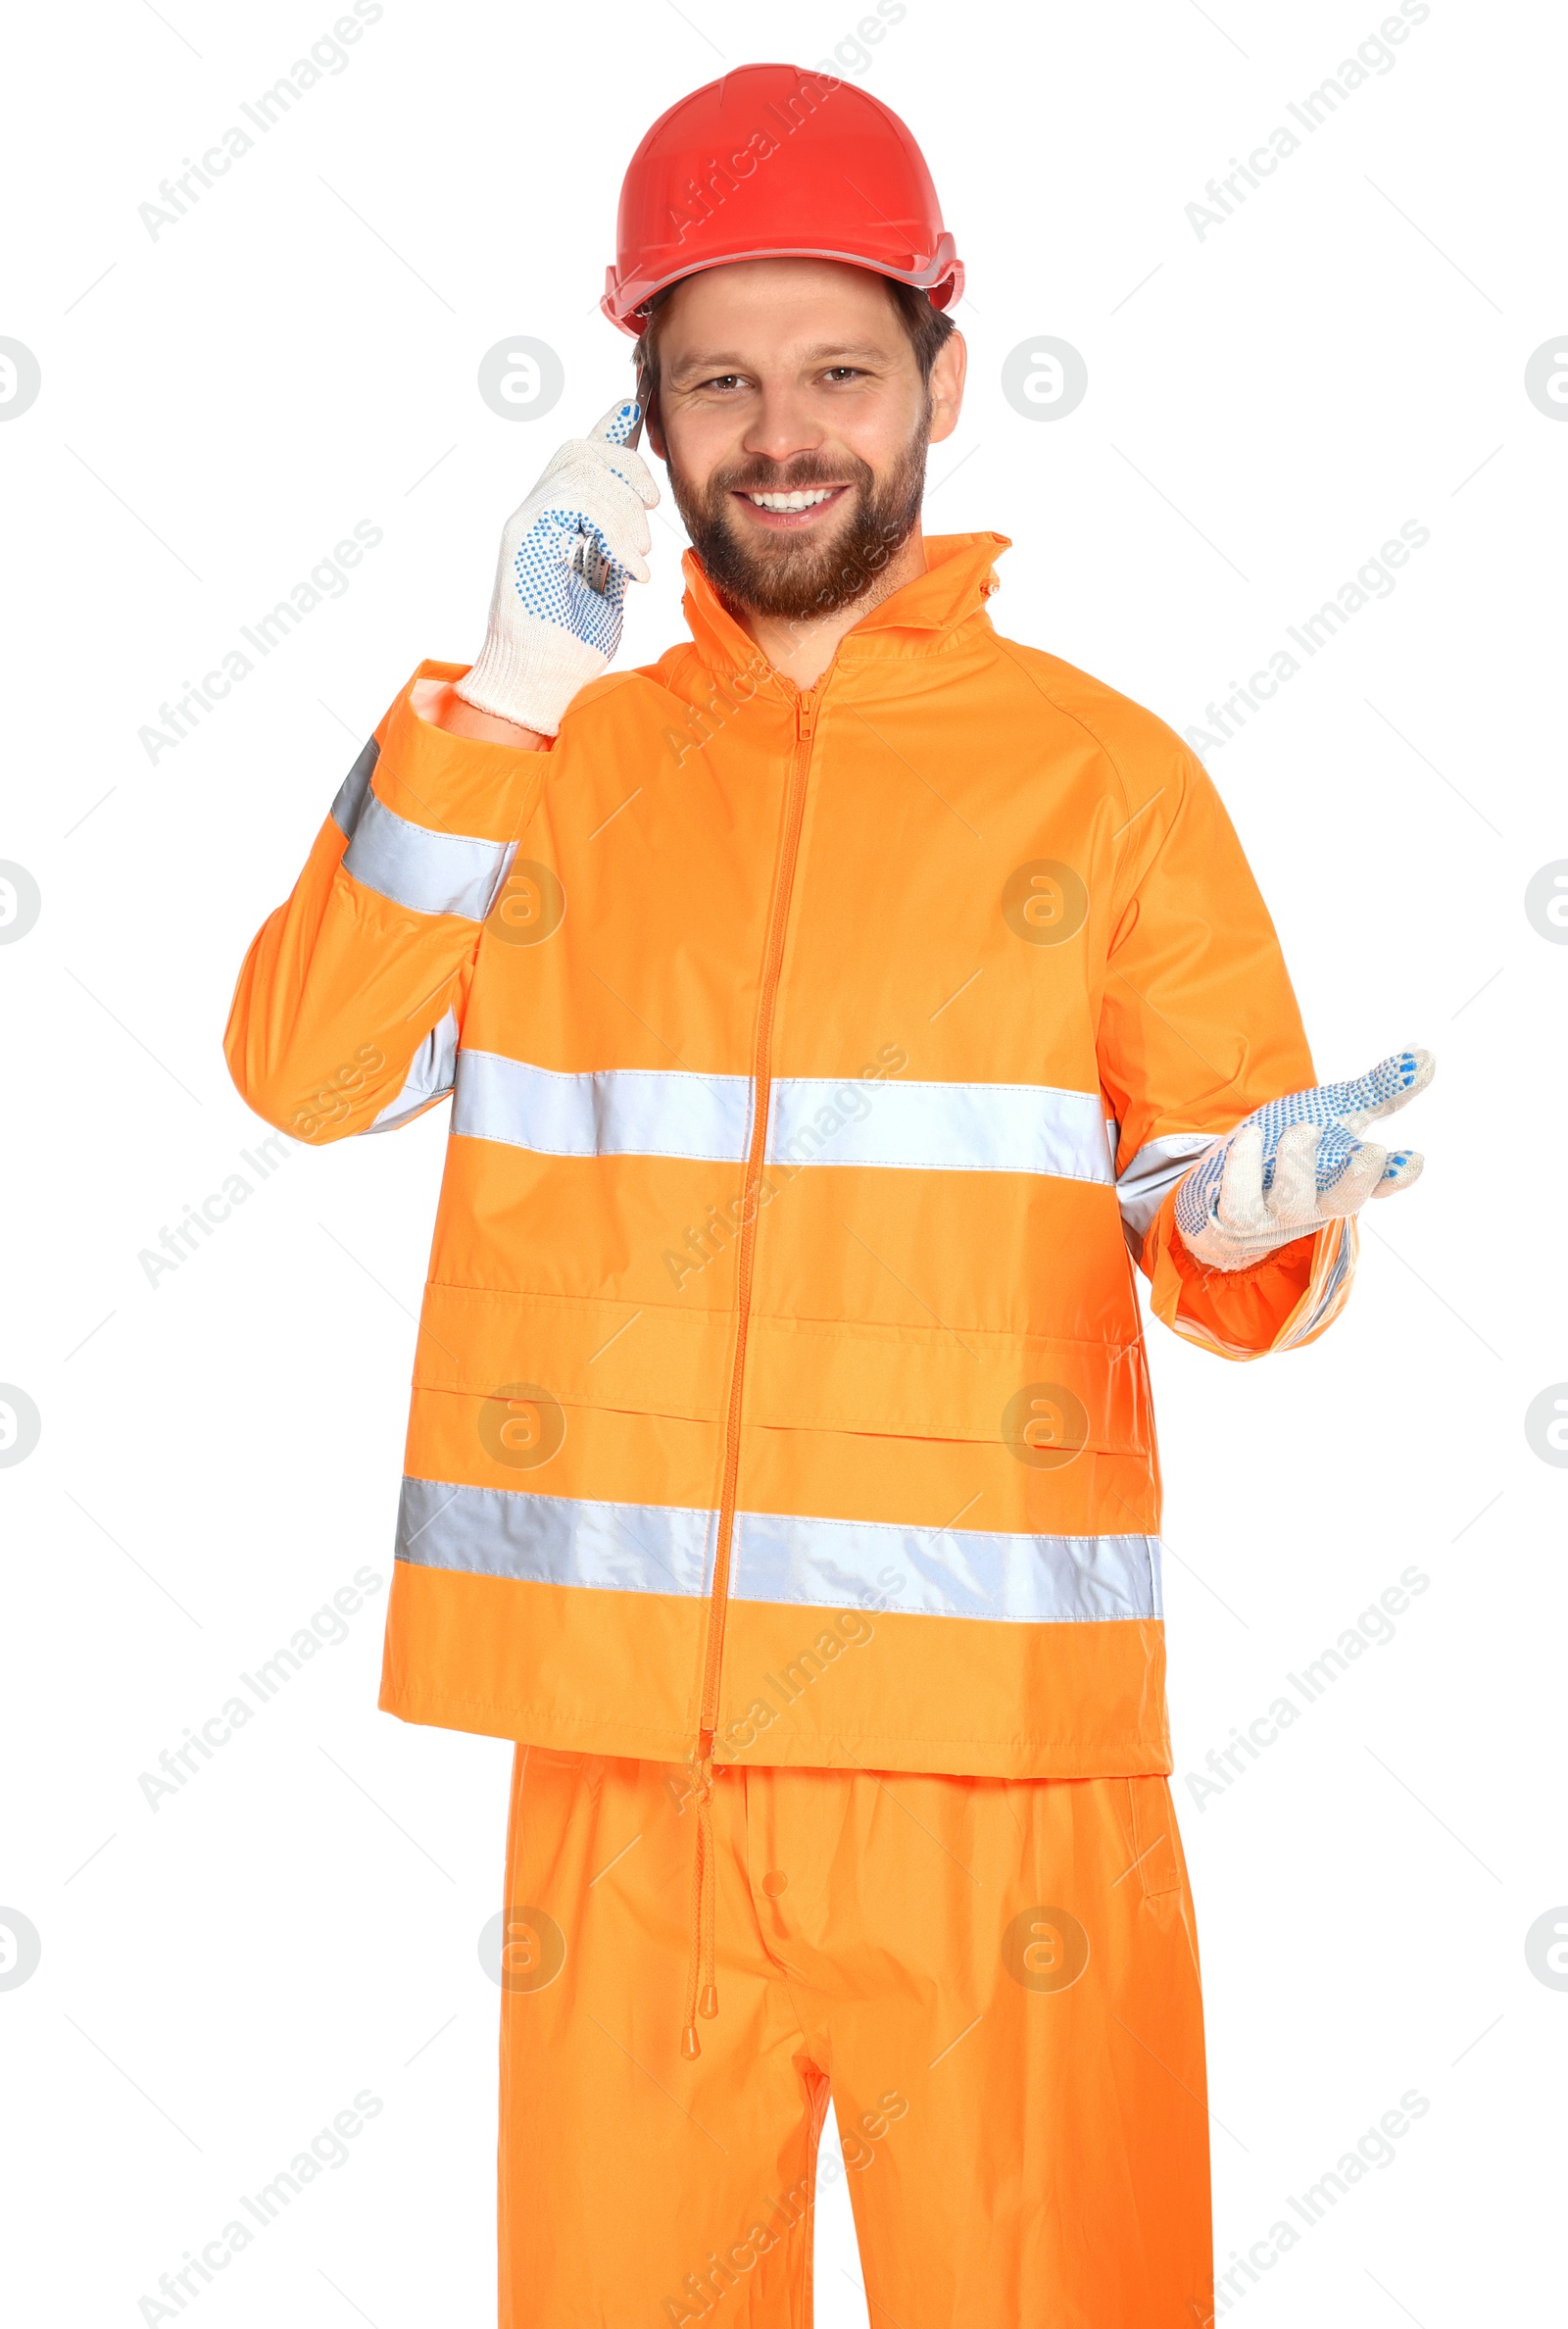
{"x": 438, "y": 701}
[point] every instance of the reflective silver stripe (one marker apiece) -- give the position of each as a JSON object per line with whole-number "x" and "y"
{"x": 815, "y": 1563}
{"x": 947, "y": 1128}
{"x": 430, "y": 1074}
{"x": 951, "y": 1572}
{"x": 428, "y": 871}
{"x": 644, "y": 1112}
{"x": 353, "y": 789}
{"x": 1143, "y": 1185}
{"x": 619, "y": 1112}
{"x": 556, "y": 1540}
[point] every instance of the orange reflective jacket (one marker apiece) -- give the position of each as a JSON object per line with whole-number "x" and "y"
{"x": 817, "y": 1058}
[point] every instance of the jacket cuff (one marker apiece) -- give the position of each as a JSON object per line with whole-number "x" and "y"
{"x": 453, "y": 784}
{"x": 1278, "y": 1304}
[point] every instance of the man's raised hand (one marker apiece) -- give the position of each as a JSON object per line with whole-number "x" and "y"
{"x": 551, "y": 629}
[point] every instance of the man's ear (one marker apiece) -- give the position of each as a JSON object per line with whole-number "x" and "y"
{"x": 946, "y": 386}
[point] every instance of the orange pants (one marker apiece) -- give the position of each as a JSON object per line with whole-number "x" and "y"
{"x": 995, "y": 1980}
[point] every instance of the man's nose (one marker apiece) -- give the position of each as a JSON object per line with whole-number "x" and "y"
{"x": 781, "y": 426}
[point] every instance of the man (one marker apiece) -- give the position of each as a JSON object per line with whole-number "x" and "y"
{"x": 828, "y": 1007}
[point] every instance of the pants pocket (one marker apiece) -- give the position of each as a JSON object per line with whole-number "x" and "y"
{"x": 1156, "y": 1847}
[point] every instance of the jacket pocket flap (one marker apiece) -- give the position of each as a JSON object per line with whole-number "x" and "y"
{"x": 1046, "y": 1397}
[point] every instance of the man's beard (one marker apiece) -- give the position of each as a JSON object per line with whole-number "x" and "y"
{"x": 791, "y": 577}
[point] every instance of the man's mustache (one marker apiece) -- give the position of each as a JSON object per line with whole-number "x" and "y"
{"x": 797, "y": 476}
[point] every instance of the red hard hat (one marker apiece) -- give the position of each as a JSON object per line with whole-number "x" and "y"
{"x": 773, "y": 161}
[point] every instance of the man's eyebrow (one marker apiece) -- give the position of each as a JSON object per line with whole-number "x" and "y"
{"x": 839, "y": 350}
{"x": 829, "y": 351}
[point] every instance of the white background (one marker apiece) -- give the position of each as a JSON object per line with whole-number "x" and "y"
{"x": 1266, "y": 406}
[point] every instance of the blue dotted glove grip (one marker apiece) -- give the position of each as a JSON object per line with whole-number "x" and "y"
{"x": 1326, "y": 1105}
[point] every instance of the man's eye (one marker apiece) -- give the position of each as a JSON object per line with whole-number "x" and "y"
{"x": 843, "y": 372}
{"x": 723, "y": 380}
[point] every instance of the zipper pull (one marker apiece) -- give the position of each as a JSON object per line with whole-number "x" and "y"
{"x": 806, "y": 715}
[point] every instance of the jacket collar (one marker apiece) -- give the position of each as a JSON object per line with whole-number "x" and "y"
{"x": 957, "y": 580}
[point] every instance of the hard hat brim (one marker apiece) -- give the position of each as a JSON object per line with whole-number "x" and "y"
{"x": 940, "y": 278}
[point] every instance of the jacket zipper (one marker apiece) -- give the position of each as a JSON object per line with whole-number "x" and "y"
{"x": 762, "y": 1088}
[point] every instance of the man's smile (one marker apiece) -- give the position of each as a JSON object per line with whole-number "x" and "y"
{"x": 793, "y": 512}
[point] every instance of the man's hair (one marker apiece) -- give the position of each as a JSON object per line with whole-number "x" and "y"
{"x": 927, "y": 327}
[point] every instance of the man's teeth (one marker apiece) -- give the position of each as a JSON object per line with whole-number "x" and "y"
{"x": 791, "y": 501}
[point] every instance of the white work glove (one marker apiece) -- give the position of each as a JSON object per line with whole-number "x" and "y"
{"x": 1289, "y": 1167}
{"x": 551, "y": 629}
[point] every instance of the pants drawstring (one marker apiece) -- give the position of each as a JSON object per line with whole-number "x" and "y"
{"x": 702, "y": 1993}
